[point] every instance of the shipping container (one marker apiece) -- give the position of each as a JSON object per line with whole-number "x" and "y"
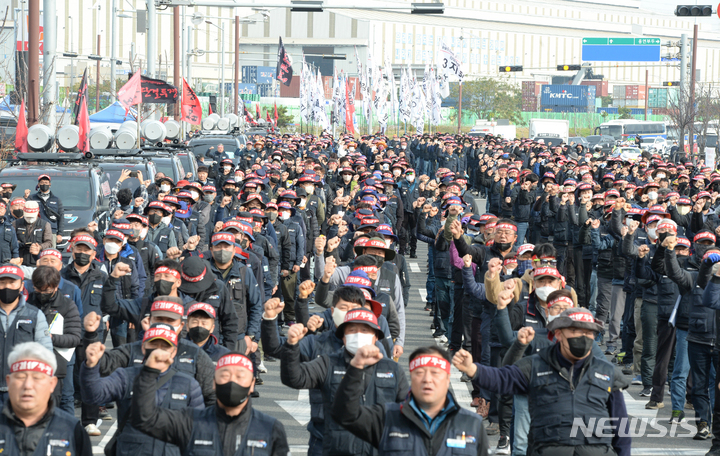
{"x": 610, "y": 110}
{"x": 618, "y": 92}
{"x": 532, "y": 88}
{"x": 601, "y": 87}
{"x": 619, "y": 103}
{"x": 567, "y": 95}
{"x": 258, "y": 74}
{"x": 635, "y": 92}
{"x": 265, "y": 90}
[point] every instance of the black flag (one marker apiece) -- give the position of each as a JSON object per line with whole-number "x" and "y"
{"x": 82, "y": 93}
{"x": 284, "y": 69}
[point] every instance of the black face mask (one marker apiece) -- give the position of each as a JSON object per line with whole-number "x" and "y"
{"x": 579, "y": 346}
{"x": 198, "y": 334}
{"x": 44, "y": 298}
{"x": 274, "y": 180}
{"x": 231, "y": 394}
{"x": 44, "y": 188}
{"x": 229, "y": 191}
{"x": 662, "y": 236}
{"x": 154, "y": 219}
{"x": 81, "y": 259}
{"x": 162, "y": 287}
{"x": 700, "y": 249}
{"x": 379, "y": 260}
{"x": 8, "y": 295}
{"x": 18, "y": 213}
{"x": 7, "y": 195}
{"x": 503, "y": 246}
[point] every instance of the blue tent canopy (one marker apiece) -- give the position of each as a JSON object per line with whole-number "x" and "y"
{"x": 115, "y": 113}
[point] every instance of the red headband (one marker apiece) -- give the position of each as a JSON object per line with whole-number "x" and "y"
{"x": 33, "y": 366}
{"x": 582, "y": 316}
{"x": 234, "y": 360}
{"x": 31, "y": 210}
{"x": 706, "y": 235}
{"x": 50, "y": 252}
{"x": 167, "y": 270}
{"x": 430, "y": 360}
{"x": 559, "y": 299}
{"x": 505, "y": 226}
{"x": 367, "y": 269}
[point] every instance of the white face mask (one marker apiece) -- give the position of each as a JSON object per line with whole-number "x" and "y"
{"x": 652, "y": 232}
{"x": 353, "y": 342}
{"x": 410, "y": 178}
{"x": 341, "y": 213}
{"x": 195, "y": 194}
{"x": 660, "y": 176}
{"x": 652, "y": 195}
{"x": 30, "y": 218}
{"x": 552, "y": 317}
{"x": 284, "y": 215}
{"x": 347, "y": 177}
{"x": 112, "y": 248}
{"x": 143, "y": 233}
{"x": 338, "y": 316}
{"x": 509, "y": 271}
{"x": 683, "y": 210}
{"x": 164, "y": 188}
{"x": 543, "y": 292}
{"x": 302, "y": 202}
{"x": 352, "y": 149}
{"x": 396, "y": 173}
{"x": 227, "y": 168}
{"x": 166, "y": 220}
{"x": 310, "y": 189}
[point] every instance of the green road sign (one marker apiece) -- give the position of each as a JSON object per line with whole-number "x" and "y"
{"x": 594, "y": 41}
{"x": 622, "y": 41}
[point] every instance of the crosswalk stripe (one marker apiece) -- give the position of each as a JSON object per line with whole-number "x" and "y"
{"x": 414, "y": 267}
{"x": 100, "y": 448}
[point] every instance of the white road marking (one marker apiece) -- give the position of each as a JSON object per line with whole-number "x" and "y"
{"x": 414, "y": 267}
{"x": 299, "y": 409}
{"x": 100, "y": 448}
{"x": 668, "y": 451}
{"x": 460, "y": 389}
{"x": 637, "y": 408}
{"x": 423, "y": 294}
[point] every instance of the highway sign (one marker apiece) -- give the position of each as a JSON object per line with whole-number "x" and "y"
{"x": 622, "y": 49}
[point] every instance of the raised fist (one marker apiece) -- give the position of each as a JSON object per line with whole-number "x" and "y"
{"x": 296, "y": 333}
{"x": 525, "y": 335}
{"x": 467, "y": 260}
{"x": 93, "y": 353}
{"x": 366, "y": 356}
{"x": 91, "y": 322}
{"x": 306, "y": 288}
{"x": 273, "y": 307}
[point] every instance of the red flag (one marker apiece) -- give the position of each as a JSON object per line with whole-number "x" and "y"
{"x": 21, "y": 131}
{"x": 131, "y": 93}
{"x": 257, "y": 110}
{"x": 191, "y": 109}
{"x": 267, "y": 116}
{"x": 83, "y": 127}
{"x": 276, "y": 115}
{"x": 210, "y": 109}
{"x": 349, "y": 108}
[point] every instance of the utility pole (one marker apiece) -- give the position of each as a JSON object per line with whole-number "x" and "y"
{"x": 49, "y": 61}
{"x": 97, "y": 78}
{"x": 222, "y": 69}
{"x": 460, "y": 108}
{"x": 33, "y": 82}
{"x": 176, "y": 58}
{"x": 692, "y": 92}
{"x": 113, "y": 45}
{"x": 236, "y": 88}
{"x": 647, "y": 93}
{"x": 151, "y": 54}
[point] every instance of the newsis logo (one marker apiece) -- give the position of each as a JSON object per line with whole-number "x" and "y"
{"x": 632, "y": 427}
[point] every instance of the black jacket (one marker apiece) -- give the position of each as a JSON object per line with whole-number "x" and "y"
{"x": 71, "y": 328}
{"x": 368, "y": 422}
{"x": 176, "y": 426}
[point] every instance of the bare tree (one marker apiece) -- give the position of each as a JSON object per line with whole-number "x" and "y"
{"x": 682, "y": 114}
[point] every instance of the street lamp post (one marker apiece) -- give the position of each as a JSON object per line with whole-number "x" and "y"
{"x": 113, "y": 45}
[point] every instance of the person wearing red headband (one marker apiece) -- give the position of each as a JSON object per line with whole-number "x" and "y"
{"x": 593, "y": 395}
{"x": 230, "y": 426}
{"x": 178, "y": 390}
{"x": 51, "y": 208}
{"x": 33, "y": 234}
{"x": 427, "y": 420}
{"x": 30, "y": 420}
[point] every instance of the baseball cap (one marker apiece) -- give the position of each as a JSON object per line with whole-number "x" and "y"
{"x": 167, "y": 306}
{"x": 202, "y": 307}
{"x": 161, "y": 331}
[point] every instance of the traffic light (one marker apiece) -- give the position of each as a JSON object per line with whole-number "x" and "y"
{"x": 693, "y": 10}
{"x": 671, "y": 83}
{"x": 569, "y": 67}
{"x": 510, "y": 69}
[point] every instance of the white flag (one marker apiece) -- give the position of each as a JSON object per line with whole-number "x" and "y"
{"x": 304, "y": 107}
{"x": 448, "y": 63}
